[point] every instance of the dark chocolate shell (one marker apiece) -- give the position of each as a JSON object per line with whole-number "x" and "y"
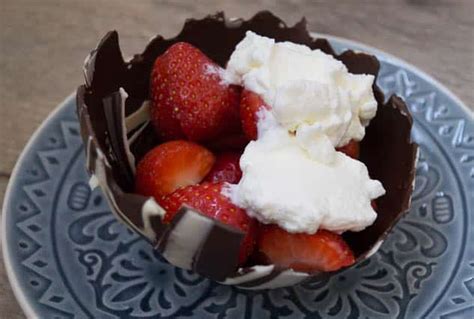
{"x": 112, "y": 109}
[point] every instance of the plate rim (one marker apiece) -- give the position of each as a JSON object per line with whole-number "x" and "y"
{"x": 11, "y": 275}
{"x": 20, "y": 296}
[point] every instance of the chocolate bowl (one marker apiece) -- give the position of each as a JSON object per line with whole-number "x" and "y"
{"x": 113, "y": 106}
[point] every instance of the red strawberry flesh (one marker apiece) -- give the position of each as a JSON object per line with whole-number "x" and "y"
{"x": 170, "y": 166}
{"x": 351, "y": 149}
{"x": 225, "y": 169}
{"x": 322, "y": 251}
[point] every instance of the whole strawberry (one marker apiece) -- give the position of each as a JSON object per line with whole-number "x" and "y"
{"x": 207, "y": 199}
{"x": 189, "y": 98}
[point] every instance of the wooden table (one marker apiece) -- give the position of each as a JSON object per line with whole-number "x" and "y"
{"x": 43, "y": 45}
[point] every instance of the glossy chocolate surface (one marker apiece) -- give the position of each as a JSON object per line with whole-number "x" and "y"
{"x": 386, "y": 150}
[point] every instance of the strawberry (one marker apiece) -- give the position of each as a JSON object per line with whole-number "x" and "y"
{"x": 373, "y": 203}
{"x": 250, "y": 104}
{"x": 234, "y": 142}
{"x": 322, "y": 251}
{"x": 225, "y": 169}
{"x": 189, "y": 99}
{"x": 207, "y": 199}
{"x": 170, "y": 166}
{"x": 351, "y": 149}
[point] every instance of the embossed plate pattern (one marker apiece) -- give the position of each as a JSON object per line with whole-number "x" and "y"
{"x": 67, "y": 256}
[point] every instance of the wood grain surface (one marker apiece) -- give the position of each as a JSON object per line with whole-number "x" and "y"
{"x": 43, "y": 45}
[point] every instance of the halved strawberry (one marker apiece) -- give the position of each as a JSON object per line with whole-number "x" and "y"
{"x": 351, "y": 149}
{"x": 225, "y": 169}
{"x": 207, "y": 199}
{"x": 170, "y": 166}
{"x": 322, "y": 251}
{"x": 250, "y": 105}
{"x": 189, "y": 98}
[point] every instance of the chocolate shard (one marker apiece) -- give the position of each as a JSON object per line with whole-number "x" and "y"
{"x": 204, "y": 262}
{"x": 217, "y": 38}
{"x": 114, "y": 109}
{"x": 360, "y": 63}
{"x": 194, "y": 241}
{"x": 386, "y": 150}
{"x": 104, "y": 68}
{"x": 390, "y": 156}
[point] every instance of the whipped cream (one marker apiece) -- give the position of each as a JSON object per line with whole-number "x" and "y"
{"x": 281, "y": 184}
{"x": 304, "y": 86}
{"x": 292, "y": 174}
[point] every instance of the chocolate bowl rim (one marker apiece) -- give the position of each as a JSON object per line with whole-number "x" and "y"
{"x": 244, "y": 269}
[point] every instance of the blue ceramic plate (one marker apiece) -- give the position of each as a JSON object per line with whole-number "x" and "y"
{"x": 67, "y": 256}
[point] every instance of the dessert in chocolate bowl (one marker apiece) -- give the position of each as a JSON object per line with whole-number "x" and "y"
{"x": 246, "y": 150}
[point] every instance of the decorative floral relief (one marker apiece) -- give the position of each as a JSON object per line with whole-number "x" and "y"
{"x": 128, "y": 279}
{"x": 371, "y": 285}
{"x": 134, "y": 281}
